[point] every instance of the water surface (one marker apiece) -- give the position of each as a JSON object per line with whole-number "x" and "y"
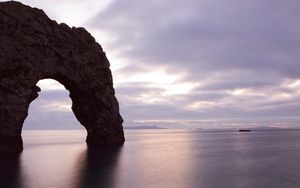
{"x": 156, "y": 158}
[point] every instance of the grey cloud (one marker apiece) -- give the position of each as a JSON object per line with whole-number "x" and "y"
{"x": 222, "y": 45}
{"x": 156, "y": 111}
{"x": 136, "y": 89}
{"x": 207, "y": 35}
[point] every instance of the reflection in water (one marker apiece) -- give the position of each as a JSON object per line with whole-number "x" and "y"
{"x": 92, "y": 167}
{"x": 151, "y": 159}
{"x": 10, "y": 171}
{"x": 59, "y": 159}
{"x": 99, "y": 166}
{"x": 155, "y": 158}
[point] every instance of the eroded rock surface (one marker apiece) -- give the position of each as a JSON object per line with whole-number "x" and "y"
{"x": 34, "y": 47}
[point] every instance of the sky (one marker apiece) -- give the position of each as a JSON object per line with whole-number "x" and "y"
{"x": 187, "y": 64}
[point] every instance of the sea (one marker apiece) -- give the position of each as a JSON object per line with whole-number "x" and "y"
{"x": 162, "y": 158}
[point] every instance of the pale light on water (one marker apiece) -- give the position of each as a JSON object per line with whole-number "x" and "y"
{"x": 156, "y": 158}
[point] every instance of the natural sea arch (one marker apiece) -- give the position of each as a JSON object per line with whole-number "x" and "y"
{"x": 34, "y": 47}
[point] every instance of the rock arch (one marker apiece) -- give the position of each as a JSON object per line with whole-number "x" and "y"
{"x": 34, "y": 47}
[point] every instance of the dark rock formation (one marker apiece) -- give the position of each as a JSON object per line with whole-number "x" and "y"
{"x": 34, "y": 47}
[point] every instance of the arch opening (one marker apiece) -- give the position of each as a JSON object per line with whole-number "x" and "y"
{"x": 51, "y": 110}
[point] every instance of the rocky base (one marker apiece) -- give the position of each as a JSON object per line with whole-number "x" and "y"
{"x": 100, "y": 136}
{"x": 11, "y": 144}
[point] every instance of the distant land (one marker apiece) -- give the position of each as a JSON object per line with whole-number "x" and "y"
{"x": 274, "y": 129}
{"x": 144, "y": 127}
{"x": 251, "y": 129}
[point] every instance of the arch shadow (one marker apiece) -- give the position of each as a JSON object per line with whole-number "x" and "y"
{"x": 10, "y": 170}
{"x": 99, "y": 166}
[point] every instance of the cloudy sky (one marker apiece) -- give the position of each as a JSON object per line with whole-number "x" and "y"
{"x": 193, "y": 63}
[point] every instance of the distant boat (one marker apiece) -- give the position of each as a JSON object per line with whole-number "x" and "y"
{"x": 244, "y": 130}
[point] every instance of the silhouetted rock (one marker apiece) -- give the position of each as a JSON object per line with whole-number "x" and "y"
{"x": 34, "y": 47}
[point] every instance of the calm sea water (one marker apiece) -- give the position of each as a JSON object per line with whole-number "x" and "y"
{"x": 156, "y": 158}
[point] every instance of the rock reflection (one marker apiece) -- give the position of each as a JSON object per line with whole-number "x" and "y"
{"x": 99, "y": 166}
{"x": 10, "y": 171}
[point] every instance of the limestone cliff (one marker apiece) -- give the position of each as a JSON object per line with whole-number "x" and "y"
{"x": 34, "y": 47}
